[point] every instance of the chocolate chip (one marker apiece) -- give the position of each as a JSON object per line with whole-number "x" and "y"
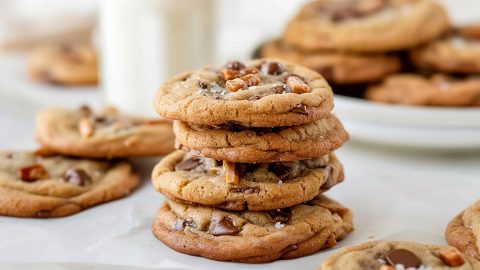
{"x": 224, "y": 227}
{"x": 281, "y": 89}
{"x": 188, "y": 164}
{"x": 85, "y": 111}
{"x": 280, "y": 215}
{"x": 245, "y": 190}
{"x": 403, "y": 257}
{"x": 329, "y": 183}
{"x": 235, "y": 65}
{"x": 301, "y": 109}
{"x": 280, "y": 170}
{"x": 289, "y": 249}
{"x": 181, "y": 223}
{"x": 272, "y": 68}
{"x": 32, "y": 173}
{"x": 203, "y": 84}
{"x": 77, "y": 177}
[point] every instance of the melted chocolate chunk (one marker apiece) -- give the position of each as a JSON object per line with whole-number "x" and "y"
{"x": 245, "y": 168}
{"x": 203, "y": 84}
{"x": 272, "y": 68}
{"x": 78, "y": 177}
{"x": 289, "y": 249}
{"x": 188, "y": 164}
{"x": 329, "y": 182}
{"x": 301, "y": 109}
{"x": 245, "y": 190}
{"x": 403, "y": 257}
{"x": 32, "y": 173}
{"x": 224, "y": 227}
{"x": 181, "y": 223}
{"x": 280, "y": 170}
{"x": 281, "y": 215}
{"x": 282, "y": 89}
{"x": 236, "y": 65}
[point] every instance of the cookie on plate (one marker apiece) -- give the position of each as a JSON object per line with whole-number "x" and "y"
{"x": 260, "y": 93}
{"x": 455, "y": 54}
{"x": 366, "y": 25}
{"x": 103, "y": 134}
{"x": 438, "y": 90}
{"x": 392, "y": 255}
{"x": 32, "y": 185}
{"x": 65, "y": 64}
{"x": 237, "y": 143}
{"x": 263, "y": 186}
{"x": 253, "y": 237}
{"x": 463, "y": 232}
{"x": 337, "y": 67}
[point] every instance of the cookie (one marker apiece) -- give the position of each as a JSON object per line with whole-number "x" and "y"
{"x": 391, "y": 255}
{"x": 438, "y": 90}
{"x": 253, "y": 237}
{"x": 463, "y": 232}
{"x": 337, "y": 67}
{"x": 65, "y": 64}
{"x": 251, "y": 145}
{"x": 103, "y": 134}
{"x": 454, "y": 54}
{"x": 366, "y": 25}
{"x": 261, "y": 93}
{"x": 32, "y": 185}
{"x": 263, "y": 186}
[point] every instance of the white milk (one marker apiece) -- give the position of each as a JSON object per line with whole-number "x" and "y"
{"x": 145, "y": 42}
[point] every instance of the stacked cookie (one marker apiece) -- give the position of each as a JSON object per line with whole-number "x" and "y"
{"x": 256, "y": 147}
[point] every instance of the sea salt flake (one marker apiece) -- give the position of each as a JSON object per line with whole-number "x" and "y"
{"x": 279, "y": 225}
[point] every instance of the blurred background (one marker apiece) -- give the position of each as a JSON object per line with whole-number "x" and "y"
{"x": 139, "y": 44}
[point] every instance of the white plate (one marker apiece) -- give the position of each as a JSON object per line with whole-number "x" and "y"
{"x": 419, "y": 127}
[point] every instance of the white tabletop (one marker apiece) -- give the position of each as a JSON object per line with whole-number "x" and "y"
{"x": 393, "y": 193}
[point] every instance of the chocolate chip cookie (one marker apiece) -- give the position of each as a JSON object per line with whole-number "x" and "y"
{"x": 395, "y": 255}
{"x": 337, "y": 67}
{"x": 459, "y": 53}
{"x": 261, "y": 93}
{"x": 463, "y": 231}
{"x": 237, "y": 143}
{"x": 366, "y": 25}
{"x": 102, "y": 134}
{"x": 253, "y": 237}
{"x": 65, "y": 64}
{"x": 262, "y": 186}
{"x": 438, "y": 90}
{"x": 32, "y": 185}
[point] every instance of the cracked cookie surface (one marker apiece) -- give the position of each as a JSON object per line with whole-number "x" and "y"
{"x": 438, "y": 90}
{"x": 463, "y": 232}
{"x": 102, "y": 134}
{"x": 253, "y": 237}
{"x": 366, "y": 25}
{"x": 262, "y": 186}
{"x": 260, "y": 93}
{"x": 251, "y": 145}
{"x": 66, "y": 64}
{"x": 336, "y": 67}
{"x": 55, "y": 186}
{"x": 391, "y": 255}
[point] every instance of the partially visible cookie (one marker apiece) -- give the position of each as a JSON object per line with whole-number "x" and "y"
{"x": 260, "y": 93}
{"x": 251, "y": 145}
{"x": 102, "y": 134}
{"x": 463, "y": 232}
{"x": 253, "y": 237}
{"x": 392, "y": 255}
{"x": 337, "y": 67}
{"x": 366, "y": 25}
{"x": 55, "y": 186}
{"x": 263, "y": 186}
{"x": 64, "y": 64}
{"x": 456, "y": 54}
{"x": 438, "y": 90}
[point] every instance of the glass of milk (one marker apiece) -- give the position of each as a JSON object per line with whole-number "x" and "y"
{"x": 144, "y": 42}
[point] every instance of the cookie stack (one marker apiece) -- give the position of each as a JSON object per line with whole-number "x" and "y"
{"x": 356, "y": 42}
{"x": 256, "y": 147}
